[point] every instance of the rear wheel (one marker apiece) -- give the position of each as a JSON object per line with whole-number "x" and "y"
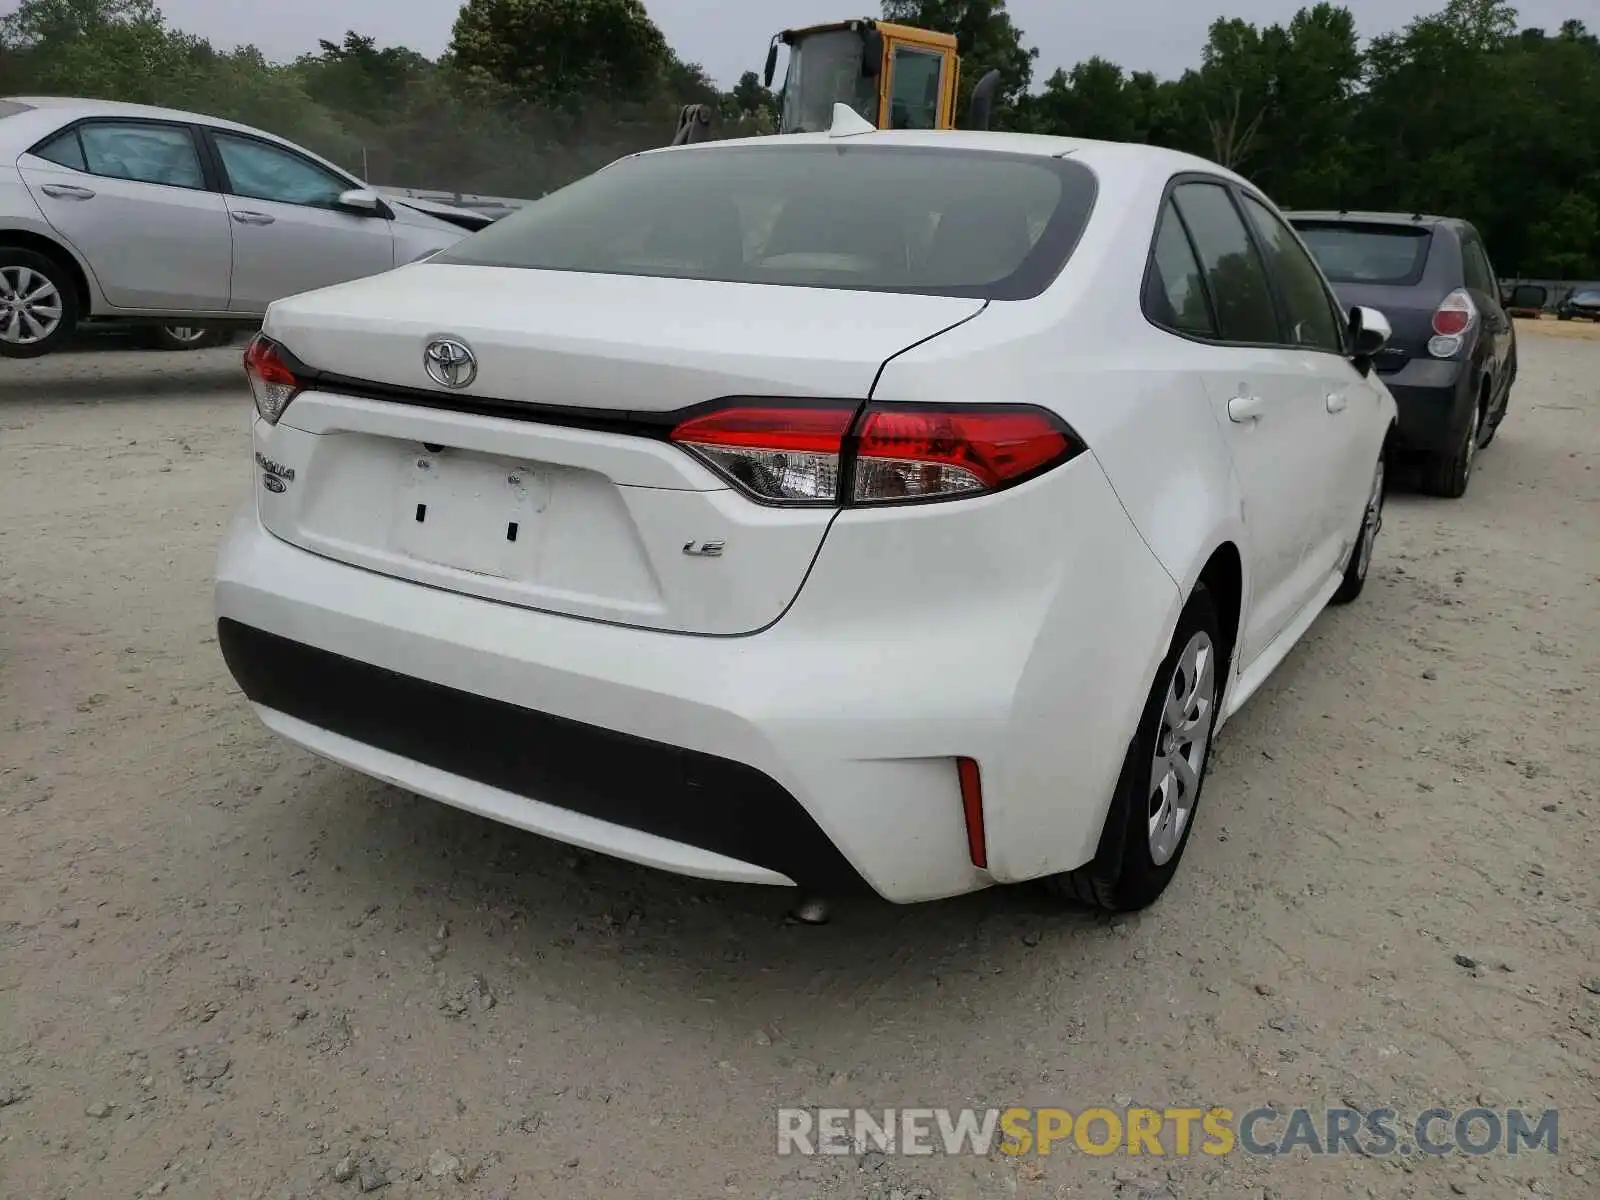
{"x": 38, "y": 304}
{"x": 1158, "y": 791}
{"x": 1448, "y": 475}
{"x": 184, "y": 337}
{"x": 1355, "y": 572}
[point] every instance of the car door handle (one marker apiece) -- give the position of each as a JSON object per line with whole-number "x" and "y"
{"x": 67, "y": 191}
{"x": 1244, "y": 409}
{"x": 1337, "y": 402}
{"x": 247, "y": 217}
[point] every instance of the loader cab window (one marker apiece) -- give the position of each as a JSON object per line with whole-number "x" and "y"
{"x": 914, "y": 88}
{"x": 824, "y": 70}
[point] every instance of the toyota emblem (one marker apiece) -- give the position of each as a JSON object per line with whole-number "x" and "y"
{"x": 450, "y": 363}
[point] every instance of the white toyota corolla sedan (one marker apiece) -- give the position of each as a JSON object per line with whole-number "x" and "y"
{"x": 897, "y": 511}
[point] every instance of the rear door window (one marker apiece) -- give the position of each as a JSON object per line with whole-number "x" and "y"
{"x": 1234, "y": 272}
{"x": 1306, "y": 301}
{"x": 142, "y": 151}
{"x": 1349, "y": 252}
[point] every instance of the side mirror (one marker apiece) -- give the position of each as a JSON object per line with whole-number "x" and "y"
{"x": 772, "y": 65}
{"x": 1369, "y": 333}
{"x": 1527, "y": 296}
{"x": 361, "y": 201}
{"x": 871, "y": 54}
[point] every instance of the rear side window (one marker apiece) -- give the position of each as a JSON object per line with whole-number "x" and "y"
{"x": 64, "y": 150}
{"x": 1305, "y": 297}
{"x": 1175, "y": 293}
{"x": 1476, "y": 265}
{"x": 1234, "y": 272}
{"x": 873, "y": 218}
{"x": 137, "y": 150}
{"x": 1358, "y": 253}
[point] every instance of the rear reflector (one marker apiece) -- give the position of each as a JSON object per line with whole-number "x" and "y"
{"x": 272, "y": 383}
{"x": 785, "y": 452}
{"x": 972, "y": 810}
{"x": 1455, "y": 314}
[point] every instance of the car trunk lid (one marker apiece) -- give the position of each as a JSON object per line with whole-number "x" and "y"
{"x": 546, "y": 481}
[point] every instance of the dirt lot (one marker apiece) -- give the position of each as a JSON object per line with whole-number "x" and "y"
{"x": 230, "y": 970}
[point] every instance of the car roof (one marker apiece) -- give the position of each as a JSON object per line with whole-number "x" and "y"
{"x": 117, "y": 108}
{"x": 1095, "y": 154}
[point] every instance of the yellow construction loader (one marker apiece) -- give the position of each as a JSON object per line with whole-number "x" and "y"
{"x": 893, "y": 76}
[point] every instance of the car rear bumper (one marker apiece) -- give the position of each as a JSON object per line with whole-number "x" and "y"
{"x": 1433, "y": 399}
{"x": 821, "y": 752}
{"x": 730, "y": 811}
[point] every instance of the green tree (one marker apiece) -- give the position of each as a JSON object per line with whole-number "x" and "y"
{"x": 559, "y": 51}
{"x": 355, "y": 76}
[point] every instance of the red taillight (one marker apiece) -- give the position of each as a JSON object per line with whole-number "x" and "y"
{"x": 972, "y": 810}
{"x": 272, "y": 382}
{"x": 911, "y": 453}
{"x": 1455, "y": 314}
{"x": 791, "y": 453}
{"x": 788, "y": 453}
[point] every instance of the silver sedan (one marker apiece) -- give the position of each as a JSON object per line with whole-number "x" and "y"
{"x": 124, "y": 213}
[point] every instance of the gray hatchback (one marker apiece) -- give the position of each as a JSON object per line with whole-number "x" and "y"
{"x": 1453, "y": 356}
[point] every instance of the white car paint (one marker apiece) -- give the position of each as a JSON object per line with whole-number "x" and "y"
{"x": 851, "y": 655}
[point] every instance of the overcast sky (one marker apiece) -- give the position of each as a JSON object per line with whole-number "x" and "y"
{"x": 728, "y": 37}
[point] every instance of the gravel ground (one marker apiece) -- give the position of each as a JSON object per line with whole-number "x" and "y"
{"x": 228, "y": 969}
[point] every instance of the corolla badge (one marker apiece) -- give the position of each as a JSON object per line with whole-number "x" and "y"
{"x": 273, "y": 484}
{"x": 450, "y": 363}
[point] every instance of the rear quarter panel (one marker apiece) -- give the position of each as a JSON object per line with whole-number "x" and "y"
{"x": 1131, "y": 392}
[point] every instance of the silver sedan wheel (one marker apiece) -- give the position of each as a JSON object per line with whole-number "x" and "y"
{"x": 1182, "y": 739}
{"x": 30, "y": 306}
{"x": 1371, "y": 524}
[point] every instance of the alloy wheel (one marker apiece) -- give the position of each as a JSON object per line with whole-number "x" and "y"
{"x": 1182, "y": 739}
{"x": 30, "y": 306}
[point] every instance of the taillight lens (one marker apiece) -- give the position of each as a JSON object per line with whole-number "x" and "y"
{"x": 1455, "y": 314}
{"x": 921, "y": 453}
{"x": 272, "y": 382}
{"x": 791, "y": 453}
{"x": 783, "y": 453}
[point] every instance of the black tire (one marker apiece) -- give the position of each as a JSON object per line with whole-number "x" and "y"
{"x": 1449, "y": 474}
{"x": 16, "y": 264}
{"x": 184, "y": 337}
{"x": 1355, "y": 571}
{"x": 1562, "y": 316}
{"x": 1493, "y": 426}
{"x": 1135, "y": 880}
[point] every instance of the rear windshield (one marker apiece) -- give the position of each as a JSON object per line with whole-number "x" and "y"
{"x": 875, "y": 218}
{"x": 1350, "y": 253}
{"x": 10, "y": 108}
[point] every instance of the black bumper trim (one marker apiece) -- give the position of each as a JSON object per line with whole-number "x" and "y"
{"x": 699, "y": 800}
